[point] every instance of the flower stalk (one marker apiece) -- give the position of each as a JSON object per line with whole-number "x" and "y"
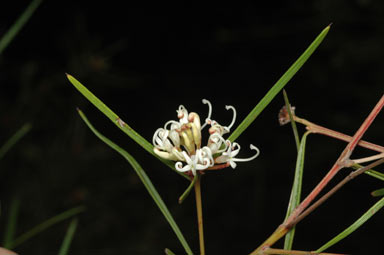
{"x": 199, "y": 209}
{"x": 272, "y": 251}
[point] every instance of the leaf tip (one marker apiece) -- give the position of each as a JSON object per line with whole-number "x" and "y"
{"x": 168, "y": 251}
{"x": 327, "y": 28}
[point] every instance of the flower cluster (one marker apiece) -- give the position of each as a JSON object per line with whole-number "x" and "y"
{"x": 180, "y": 141}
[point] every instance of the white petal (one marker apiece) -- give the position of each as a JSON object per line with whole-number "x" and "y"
{"x": 174, "y": 136}
{"x": 230, "y": 107}
{"x": 179, "y": 167}
{"x": 233, "y": 164}
{"x": 174, "y": 124}
{"x": 222, "y": 159}
{"x": 234, "y": 150}
{"x": 250, "y": 158}
{"x": 179, "y": 155}
{"x": 205, "y": 101}
{"x": 164, "y": 154}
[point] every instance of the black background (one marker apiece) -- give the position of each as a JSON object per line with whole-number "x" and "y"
{"x": 143, "y": 63}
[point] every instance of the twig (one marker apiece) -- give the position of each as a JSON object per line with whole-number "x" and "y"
{"x": 314, "y": 128}
{"x": 341, "y": 162}
{"x": 348, "y": 178}
{"x": 199, "y": 214}
{"x": 272, "y": 251}
{"x": 367, "y": 159}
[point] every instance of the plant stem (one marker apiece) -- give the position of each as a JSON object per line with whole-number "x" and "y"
{"x": 272, "y": 251}
{"x": 367, "y": 159}
{"x": 292, "y": 120}
{"x": 341, "y": 162}
{"x": 314, "y": 128}
{"x": 188, "y": 190}
{"x": 199, "y": 209}
{"x": 336, "y": 188}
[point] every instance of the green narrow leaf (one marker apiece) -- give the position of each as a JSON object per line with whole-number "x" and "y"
{"x": 12, "y": 222}
{"x": 375, "y": 174}
{"x": 279, "y": 85}
{"x": 378, "y": 193}
{"x": 168, "y": 252}
{"x": 188, "y": 190}
{"x": 64, "y": 249}
{"x": 18, "y": 25}
{"x": 366, "y": 216}
{"x": 119, "y": 122}
{"x": 293, "y": 123}
{"x": 294, "y": 200}
{"x": 45, "y": 225}
{"x": 370, "y": 172}
{"x": 145, "y": 180}
{"x": 14, "y": 139}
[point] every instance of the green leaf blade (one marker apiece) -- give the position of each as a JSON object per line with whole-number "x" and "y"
{"x": 366, "y": 216}
{"x": 295, "y": 197}
{"x": 378, "y": 193}
{"x": 45, "y": 225}
{"x": 110, "y": 114}
{"x": 64, "y": 249}
{"x": 6, "y": 39}
{"x": 14, "y": 139}
{"x": 118, "y": 122}
{"x": 11, "y": 222}
{"x": 279, "y": 85}
{"x": 375, "y": 174}
{"x": 168, "y": 252}
{"x": 145, "y": 180}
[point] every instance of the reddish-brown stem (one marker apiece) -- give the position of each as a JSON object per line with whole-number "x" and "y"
{"x": 199, "y": 209}
{"x": 272, "y": 251}
{"x": 348, "y": 178}
{"x": 314, "y": 128}
{"x": 218, "y": 167}
{"x": 341, "y": 162}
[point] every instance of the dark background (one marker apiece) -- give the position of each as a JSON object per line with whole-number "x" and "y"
{"x": 144, "y": 63}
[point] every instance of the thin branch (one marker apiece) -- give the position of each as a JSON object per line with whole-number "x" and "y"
{"x": 199, "y": 209}
{"x": 314, "y": 128}
{"x": 348, "y": 178}
{"x": 341, "y": 162}
{"x": 367, "y": 159}
{"x": 272, "y": 251}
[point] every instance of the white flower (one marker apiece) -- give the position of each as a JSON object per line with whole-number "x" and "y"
{"x": 161, "y": 141}
{"x": 199, "y": 161}
{"x": 182, "y": 114}
{"x": 231, "y": 153}
{"x": 215, "y": 142}
{"x": 181, "y": 141}
{"x": 163, "y": 146}
{"x": 215, "y": 126}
